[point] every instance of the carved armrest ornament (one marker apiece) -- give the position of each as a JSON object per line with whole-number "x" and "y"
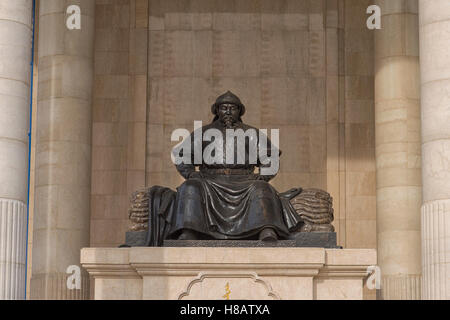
{"x": 138, "y": 212}
{"x": 315, "y": 207}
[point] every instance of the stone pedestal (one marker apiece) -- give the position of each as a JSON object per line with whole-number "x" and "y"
{"x": 228, "y": 273}
{"x": 298, "y": 240}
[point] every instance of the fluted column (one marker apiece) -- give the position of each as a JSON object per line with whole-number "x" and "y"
{"x": 15, "y": 55}
{"x": 63, "y": 149}
{"x": 398, "y": 144}
{"x": 434, "y": 28}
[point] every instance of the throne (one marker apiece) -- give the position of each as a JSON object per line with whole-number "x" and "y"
{"x": 314, "y": 207}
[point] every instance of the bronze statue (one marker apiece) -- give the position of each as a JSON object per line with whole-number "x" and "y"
{"x": 228, "y": 197}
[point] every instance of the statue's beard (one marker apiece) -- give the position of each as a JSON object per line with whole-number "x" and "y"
{"x": 229, "y": 122}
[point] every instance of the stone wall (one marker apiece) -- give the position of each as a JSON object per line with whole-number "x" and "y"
{"x": 358, "y": 205}
{"x": 270, "y": 53}
{"x": 119, "y": 113}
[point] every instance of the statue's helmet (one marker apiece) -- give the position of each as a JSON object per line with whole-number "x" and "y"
{"x": 228, "y": 97}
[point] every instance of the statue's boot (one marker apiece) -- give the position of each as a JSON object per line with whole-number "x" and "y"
{"x": 188, "y": 235}
{"x": 268, "y": 234}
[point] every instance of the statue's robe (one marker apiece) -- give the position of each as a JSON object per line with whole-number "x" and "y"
{"x": 229, "y": 201}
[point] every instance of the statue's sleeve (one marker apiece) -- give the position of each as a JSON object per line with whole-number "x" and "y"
{"x": 185, "y": 155}
{"x": 268, "y": 157}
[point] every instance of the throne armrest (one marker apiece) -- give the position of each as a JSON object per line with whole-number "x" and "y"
{"x": 315, "y": 207}
{"x": 138, "y": 213}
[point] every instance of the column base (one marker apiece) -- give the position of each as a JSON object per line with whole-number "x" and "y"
{"x": 54, "y": 287}
{"x": 435, "y": 246}
{"x": 403, "y": 287}
{"x": 13, "y": 235}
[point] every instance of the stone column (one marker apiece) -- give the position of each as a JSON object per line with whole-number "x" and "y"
{"x": 15, "y": 56}
{"x": 398, "y": 156}
{"x": 63, "y": 150}
{"x": 434, "y": 25}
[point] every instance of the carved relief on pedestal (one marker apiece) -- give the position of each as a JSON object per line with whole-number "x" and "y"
{"x": 228, "y": 286}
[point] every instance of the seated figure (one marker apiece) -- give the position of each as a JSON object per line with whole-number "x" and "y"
{"x": 227, "y": 194}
